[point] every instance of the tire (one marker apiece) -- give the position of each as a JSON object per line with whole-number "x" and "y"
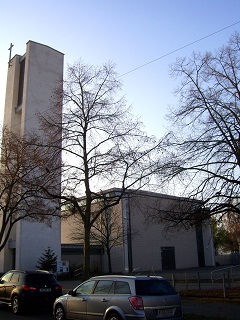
{"x": 114, "y": 316}
{"x": 15, "y": 305}
{"x": 59, "y": 313}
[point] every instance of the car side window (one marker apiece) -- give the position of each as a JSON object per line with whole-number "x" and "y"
{"x": 103, "y": 287}
{"x": 15, "y": 277}
{"x": 21, "y": 277}
{"x": 6, "y": 278}
{"x": 122, "y": 287}
{"x": 86, "y": 287}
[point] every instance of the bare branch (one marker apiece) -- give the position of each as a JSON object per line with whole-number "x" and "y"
{"x": 203, "y": 153}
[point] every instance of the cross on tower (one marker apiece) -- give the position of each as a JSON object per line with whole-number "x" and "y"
{"x": 10, "y": 54}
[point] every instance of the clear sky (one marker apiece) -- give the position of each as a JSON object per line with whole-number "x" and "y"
{"x": 130, "y": 33}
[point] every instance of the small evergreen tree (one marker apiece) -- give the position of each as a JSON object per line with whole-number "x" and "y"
{"x": 48, "y": 261}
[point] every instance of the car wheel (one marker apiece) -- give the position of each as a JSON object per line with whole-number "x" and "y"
{"x": 114, "y": 316}
{"x": 59, "y": 313}
{"x": 15, "y": 305}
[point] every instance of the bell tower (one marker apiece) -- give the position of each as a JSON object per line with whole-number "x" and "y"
{"x": 31, "y": 80}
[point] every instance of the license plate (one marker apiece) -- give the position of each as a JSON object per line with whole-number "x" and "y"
{"x": 45, "y": 289}
{"x": 165, "y": 313}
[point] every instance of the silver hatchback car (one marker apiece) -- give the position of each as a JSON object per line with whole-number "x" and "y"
{"x": 120, "y": 298}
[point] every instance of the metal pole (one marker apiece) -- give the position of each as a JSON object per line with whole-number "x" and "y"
{"x": 199, "y": 282}
{"x": 224, "y": 287}
{"x": 173, "y": 281}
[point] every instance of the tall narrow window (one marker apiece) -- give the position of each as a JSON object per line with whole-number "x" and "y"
{"x": 200, "y": 246}
{"x": 168, "y": 258}
{"x": 21, "y": 82}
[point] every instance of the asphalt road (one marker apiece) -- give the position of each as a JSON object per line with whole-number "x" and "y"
{"x": 225, "y": 310}
{"x": 220, "y": 310}
{"x": 6, "y": 314}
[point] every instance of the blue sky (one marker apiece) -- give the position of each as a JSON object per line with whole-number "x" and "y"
{"x": 130, "y": 33}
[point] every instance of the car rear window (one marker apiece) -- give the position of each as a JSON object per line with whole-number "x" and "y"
{"x": 154, "y": 287}
{"x": 40, "y": 278}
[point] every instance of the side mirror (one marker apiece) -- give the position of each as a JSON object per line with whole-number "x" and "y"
{"x": 71, "y": 292}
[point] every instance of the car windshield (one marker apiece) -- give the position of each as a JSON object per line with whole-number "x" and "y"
{"x": 40, "y": 278}
{"x": 154, "y": 287}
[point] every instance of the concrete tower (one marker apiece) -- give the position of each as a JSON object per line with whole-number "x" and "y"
{"x": 30, "y": 84}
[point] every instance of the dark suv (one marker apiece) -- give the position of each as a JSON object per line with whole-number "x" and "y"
{"x": 28, "y": 288}
{"x": 120, "y": 298}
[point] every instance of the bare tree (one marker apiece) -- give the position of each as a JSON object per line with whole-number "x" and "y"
{"x": 103, "y": 145}
{"x": 221, "y": 235}
{"x": 23, "y": 174}
{"x": 107, "y": 230}
{"x": 204, "y": 150}
{"x": 232, "y": 223}
{"x": 226, "y": 233}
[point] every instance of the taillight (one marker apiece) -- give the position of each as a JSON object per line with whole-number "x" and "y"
{"x": 58, "y": 288}
{"x": 28, "y": 288}
{"x": 136, "y": 302}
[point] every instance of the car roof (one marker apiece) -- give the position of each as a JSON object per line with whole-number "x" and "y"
{"x": 31, "y": 271}
{"x": 121, "y": 277}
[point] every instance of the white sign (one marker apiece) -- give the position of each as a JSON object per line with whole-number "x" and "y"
{"x": 63, "y": 266}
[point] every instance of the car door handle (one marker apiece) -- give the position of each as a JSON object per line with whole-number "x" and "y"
{"x": 104, "y": 300}
{"x": 84, "y": 299}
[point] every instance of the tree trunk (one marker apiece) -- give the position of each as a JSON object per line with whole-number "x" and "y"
{"x": 87, "y": 250}
{"x": 109, "y": 261}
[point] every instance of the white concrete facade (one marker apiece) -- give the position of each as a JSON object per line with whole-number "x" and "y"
{"x": 31, "y": 81}
{"x": 147, "y": 245}
{"x": 150, "y": 241}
